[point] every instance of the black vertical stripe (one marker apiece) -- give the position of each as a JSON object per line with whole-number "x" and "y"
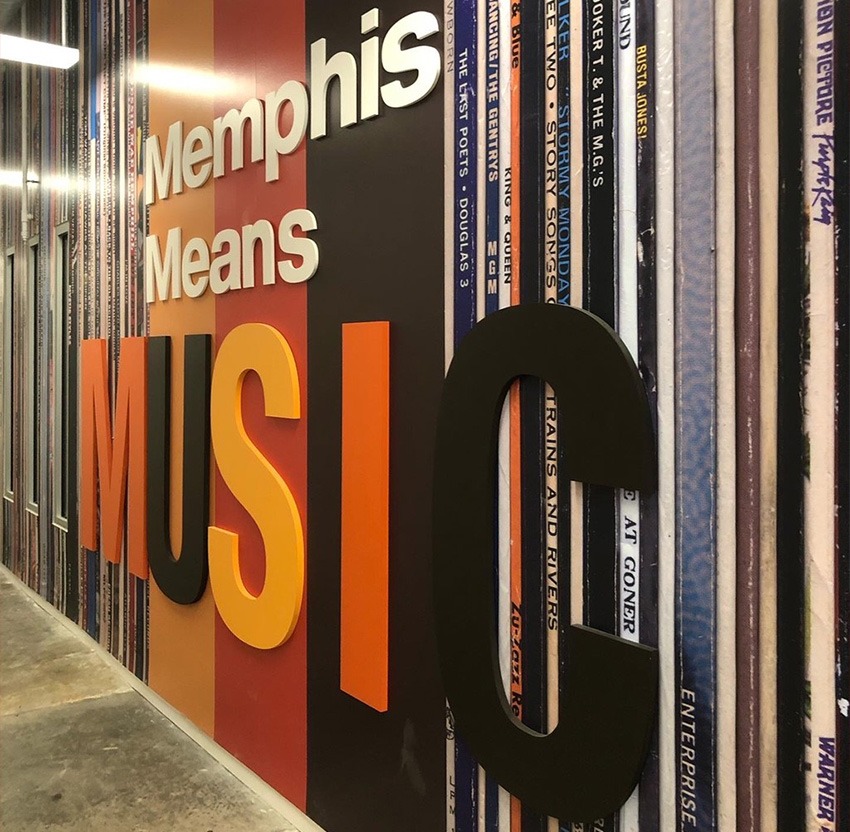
{"x": 648, "y": 364}
{"x": 182, "y": 579}
{"x": 377, "y": 192}
{"x": 600, "y": 259}
{"x": 600, "y": 275}
{"x": 790, "y": 446}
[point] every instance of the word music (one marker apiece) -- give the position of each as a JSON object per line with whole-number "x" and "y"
{"x": 125, "y": 463}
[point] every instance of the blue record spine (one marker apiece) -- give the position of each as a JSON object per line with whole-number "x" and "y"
{"x": 465, "y": 211}
{"x": 696, "y": 452}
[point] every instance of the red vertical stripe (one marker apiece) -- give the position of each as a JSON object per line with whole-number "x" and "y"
{"x": 364, "y": 605}
{"x": 261, "y": 696}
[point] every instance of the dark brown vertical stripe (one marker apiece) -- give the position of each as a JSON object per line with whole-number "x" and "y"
{"x": 748, "y": 410}
{"x": 377, "y": 192}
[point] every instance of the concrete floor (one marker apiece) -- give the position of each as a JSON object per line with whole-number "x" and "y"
{"x": 82, "y": 752}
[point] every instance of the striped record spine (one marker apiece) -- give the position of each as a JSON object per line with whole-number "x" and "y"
{"x": 465, "y": 209}
{"x": 645, "y": 102}
{"x": 819, "y": 408}
{"x": 696, "y": 453}
{"x": 628, "y": 501}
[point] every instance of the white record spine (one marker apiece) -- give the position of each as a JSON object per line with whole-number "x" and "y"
{"x": 819, "y": 397}
{"x": 628, "y": 514}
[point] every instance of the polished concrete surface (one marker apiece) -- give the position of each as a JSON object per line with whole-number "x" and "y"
{"x": 82, "y": 752}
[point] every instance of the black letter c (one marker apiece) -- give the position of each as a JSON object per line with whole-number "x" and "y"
{"x": 589, "y": 765}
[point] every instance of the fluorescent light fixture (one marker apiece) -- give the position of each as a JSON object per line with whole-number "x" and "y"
{"x": 185, "y": 80}
{"x": 58, "y": 184}
{"x": 28, "y": 51}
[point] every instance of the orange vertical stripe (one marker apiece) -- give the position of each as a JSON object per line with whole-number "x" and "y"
{"x": 182, "y": 637}
{"x": 364, "y": 604}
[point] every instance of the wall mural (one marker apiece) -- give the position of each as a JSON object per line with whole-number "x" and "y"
{"x": 392, "y": 390}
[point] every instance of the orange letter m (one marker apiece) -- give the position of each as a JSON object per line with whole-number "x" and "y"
{"x": 111, "y": 462}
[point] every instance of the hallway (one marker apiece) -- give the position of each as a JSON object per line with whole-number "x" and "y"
{"x": 81, "y": 751}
